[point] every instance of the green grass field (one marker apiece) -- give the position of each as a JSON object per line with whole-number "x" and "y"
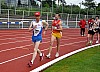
{"x": 85, "y": 61}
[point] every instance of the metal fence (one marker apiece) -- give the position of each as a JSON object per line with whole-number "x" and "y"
{"x": 21, "y": 19}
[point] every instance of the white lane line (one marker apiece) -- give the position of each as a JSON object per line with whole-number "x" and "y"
{"x": 20, "y": 37}
{"x": 40, "y": 68}
{"x": 14, "y": 42}
{"x": 31, "y": 45}
{"x": 13, "y": 35}
{"x": 15, "y": 58}
{"x": 21, "y": 34}
{"x": 15, "y": 38}
{"x": 21, "y": 40}
{"x": 41, "y": 50}
{"x": 20, "y": 47}
{"x": 25, "y": 38}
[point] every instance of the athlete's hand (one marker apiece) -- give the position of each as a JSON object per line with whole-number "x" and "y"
{"x": 30, "y": 29}
{"x": 54, "y": 28}
{"x": 61, "y": 33}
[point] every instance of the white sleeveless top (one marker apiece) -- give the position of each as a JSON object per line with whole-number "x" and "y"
{"x": 38, "y": 30}
{"x": 97, "y": 23}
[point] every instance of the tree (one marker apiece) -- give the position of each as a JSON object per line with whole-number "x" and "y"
{"x": 49, "y": 2}
{"x": 89, "y": 4}
{"x": 98, "y": 4}
{"x": 3, "y": 5}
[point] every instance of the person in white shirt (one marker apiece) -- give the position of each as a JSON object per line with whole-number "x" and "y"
{"x": 97, "y": 22}
{"x": 37, "y": 25}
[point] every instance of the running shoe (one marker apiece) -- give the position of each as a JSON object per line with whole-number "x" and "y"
{"x": 57, "y": 54}
{"x": 91, "y": 42}
{"x": 48, "y": 56}
{"x": 30, "y": 64}
{"x": 41, "y": 57}
{"x": 97, "y": 41}
{"x": 82, "y": 35}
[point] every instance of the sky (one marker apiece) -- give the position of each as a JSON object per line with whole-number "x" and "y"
{"x": 77, "y": 2}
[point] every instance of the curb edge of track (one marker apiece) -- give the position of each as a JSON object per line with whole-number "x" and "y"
{"x": 44, "y": 66}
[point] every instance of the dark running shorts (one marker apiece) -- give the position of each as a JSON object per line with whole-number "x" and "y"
{"x": 91, "y": 32}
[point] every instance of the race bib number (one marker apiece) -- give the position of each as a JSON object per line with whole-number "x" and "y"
{"x": 54, "y": 27}
{"x": 36, "y": 31}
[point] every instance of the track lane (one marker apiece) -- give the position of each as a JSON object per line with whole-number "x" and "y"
{"x": 20, "y": 65}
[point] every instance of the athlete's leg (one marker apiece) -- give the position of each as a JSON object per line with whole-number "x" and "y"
{"x": 98, "y": 37}
{"x": 61, "y": 33}
{"x": 51, "y": 44}
{"x": 41, "y": 54}
{"x": 39, "y": 51}
{"x": 88, "y": 38}
{"x": 35, "y": 51}
{"x": 58, "y": 46}
{"x": 97, "y": 34}
{"x": 91, "y": 39}
{"x": 81, "y": 31}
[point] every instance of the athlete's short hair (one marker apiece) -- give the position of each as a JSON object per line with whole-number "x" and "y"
{"x": 93, "y": 18}
{"x": 58, "y": 14}
{"x": 97, "y": 16}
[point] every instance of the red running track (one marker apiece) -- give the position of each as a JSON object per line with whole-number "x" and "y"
{"x": 16, "y": 48}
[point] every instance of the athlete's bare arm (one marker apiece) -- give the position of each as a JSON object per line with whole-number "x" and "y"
{"x": 45, "y": 23}
{"x": 30, "y": 27}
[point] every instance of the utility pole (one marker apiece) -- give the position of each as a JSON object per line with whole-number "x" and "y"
{"x": 71, "y": 10}
{"x": 80, "y": 9}
{"x": 0, "y": 6}
{"x": 52, "y": 6}
{"x": 62, "y": 6}
{"x": 41, "y": 7}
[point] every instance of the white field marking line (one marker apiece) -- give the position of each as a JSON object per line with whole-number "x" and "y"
{"x": 14, "y": 42}
{"x": 65, "y": 45}
{"x": 73, "y": 35}
{"x": 15, "y": 58}
{"x": 22, "y": 47}
{"x": 17, "y": 34}
{"x": 24, "y": 33}
{"x": 32, "y": 53}
{"x": 14, "y": 38}
{"x": 26, "y": 37}
{"x": 20, "y": 41}
{"x": 13, "y": 32}
{"x": 13, "y": 35}
{"x": 40, "y": 68}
